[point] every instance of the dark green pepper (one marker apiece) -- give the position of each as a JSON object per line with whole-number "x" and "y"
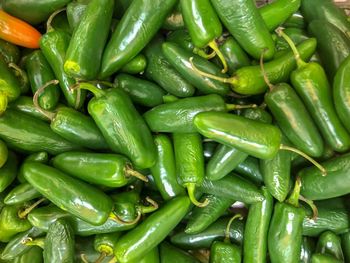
{"x": 307, "y": 249}
{"x": 295, "y": 20}
{"x": 25, "y": 104}
{"x": 75, "y": 11}
{"x": 164, "y": 171}
{"x": 8, "y": 171}
{"x": 250, "y": 169}
{"x": 345, "y": 242}
{"x": 9, "y": 52}
{"x": 79, "y": 198}
{"x": 329, "y": 243}
{"x": 135, "y": 66}
{"x": 169, "y": 253}
{"x": 137, "y": 27}
{"x": 88, "y": 40}
{"x": 105, "y": 244}
{"x": 21, "y": 193}
{"x": 3, "y": 153}
{"x": 34, "y": 254}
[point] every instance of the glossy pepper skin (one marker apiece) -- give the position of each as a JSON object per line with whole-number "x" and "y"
{"x": 27, "y": 134}
{"x": 279, "y": 11}
{"x": 221, "y": 252}
{"x": 88, "y": 40}
{"x": 311, "y": 84}
{"x": 135, "y": 66}
{"x": 178, "y": 116}
{"x": 255, "y": 138}
{"x": 8, "y": 171}
{"x": 294, "y": 120}
{"x": 233, "y": 186}
{"x": 296, "y": 20}
{"x": 132, "y": 35}
{"x": 341, "y": 91}
{"x": 307, "y": 249}
{"x": 151, "y": 231}
{"x": 9, "y": 52}
{"x": 10, "y": 87}
{"x": 329, "y": 243}
{"x": 3, "y": 153}
{"x": 164, "y": 171}
{"x": 256, "y": 229}
{"x": 345, "y": 242}
{"x": 179, "y": 59}
{"x": 141, "y": 91}
{"x": 54, "y": 45}
{"x": 39, "y": 73}
{"x": 244, "y": 22}
{"x": 34, "y": 254}
{"x": 122, "y": 126}
{"x": 336, "y": 183}
{"x": 250, "y": 169}
{"x": 59, "y": 242}
{"x": 168, "y": 252}
{"x": 10, "y": 222}
{"x": 161, "y": 72}
{"x": 22, "y": 193}
{"x": 324, "y": 258}
{"x": 205, "y": 238}
{"x": 79, "y": 198}
{"x": 203, "y": 217}
{"x": 34, "y": 12}
{"x": 105, "y": 243}
{"x": 331, "y": 55}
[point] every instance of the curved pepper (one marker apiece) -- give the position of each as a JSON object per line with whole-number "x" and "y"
{"x": 21, "y": 193}
{"x": 329, "y": 243}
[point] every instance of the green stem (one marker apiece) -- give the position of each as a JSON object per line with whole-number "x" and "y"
{"x": 300, "y": 62}
{"x": 202, "y": 53}
{"x": 49, "y": 28}
{"x": 88, "y": 86}
{"x": 227, "y": 231}
{"x": 191, "y": 189}
{"x": 113, "y": 260}
{"x": 230, "y": 107}
{"x": 232, "y": 80}
{"x": 149, "y": 209}
{"x": 48, "y": 114}
{"x": 83, "y": 258}
{"x": 101, "y": 257}
{"x": 312, "y": 205}
{"x": 294, "y": 197}
{"x": 131, "y": 172}
{"x": 215, "y": 47}
{"x": 314, "y": 162}
{"x": 25, "y": 212}
{"x": 120, "y": 221}
{"x": 266, "y": 79}
{"x": 40, "y": 242}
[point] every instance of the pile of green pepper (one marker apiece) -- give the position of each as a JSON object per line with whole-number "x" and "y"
{"x": 174, "y": 131}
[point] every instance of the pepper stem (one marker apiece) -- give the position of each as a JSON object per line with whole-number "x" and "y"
{"x": 294, "y": 196}
{"x": 312, "y": 205}
{"x": 314, "y": 162}
{"x": 3, "y": 102}
{"x": 19, "y": 72}
{"x": 40, "y": 242}
{"x": 230, "y": 107}
{"x": 300, "y": 62}
{"x": 48, "y": 114}
{"x": 101, "y": 257}
{"x": 113, "y": 260}
{"x": 227, "y": 231}
{"x": 266, "y": 79}
{"x": 131, "y": 172}
{"x": 149, "y": 209}
{"x": 83, "y": 258}
{"x": 49, "y": 28}
{"x": 88, "y": 86}
{"x": 25, "y": 212}
{"x": 191, "y": 189}
{"x": 202, "y": 53}
{"x": 120, "y": 221}
{"x": 215, "y": 47}
{"x": 231, "y": 81}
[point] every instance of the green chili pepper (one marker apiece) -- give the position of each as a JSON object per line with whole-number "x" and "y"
{"x": 233, "y": 186}
{"x": 54, "y": 44}
{"x": 25, "y": 104}
{"x": 278, "y": 12}
{"x": 169, "y": 253}
{"x": 316, "y": 187}
{"x": 17, "y": 247}
{"x": 9, "y": 52}
{"x": 85, "y": 251}
{"x": 59, "y": 242}
{"x": 39, "y": 73}
{"x": 34, "y": 254}
{"x": 208, "y": 149}
{"x": 345, "y": 242}
{"x": 3, "y": 153}
{"x": 205, "y": 238}
{"x": 60, "y": 22}
{"x": 295, "y": 20}
{"x": 189, "y": 161}
{"x": 141, "y": 91}
{"x": 245, "y": 23}
{"x": 307, "y": 249}
{"x": 34, "y": 12}
{"x": 256, "y": 229}
{"x": 132, "y": 35}
{"x": 328, "y": 11}
{"x": 179, "y": 57}
{"x": 88, "y": 40}
{"x": 332, "y": 215}
{"x": 160, "y": 71}
{"x": 329, "y": 243}
{"x": 341, "y": 89}
{"x": 8, "y": 171}
{"x": 323, "y": 258}
{"x": 21, "y": 193}
{"x": 285, "y": 232}
{"x": 163, "y": 171}
{"x": 121, "y": 125}
{"x": 41, "y": 157}
{"x": 11, "y": 222}
{"x": 135, "y": 66}
{"x": 331, "y": 55}
{"x": 203, "y": 217}
{"x": 142, "y": 239}
{"x": 28, "y": 134}
{"x": 250, "y": 169}
{"x": 150, "y": 257}
{"x": 250, "y": 80}
{"x": 44, "y": 216}
{"x": 74, "y": 11}
{"x": 105, "y": 244}
{"x": 81, "y": 199}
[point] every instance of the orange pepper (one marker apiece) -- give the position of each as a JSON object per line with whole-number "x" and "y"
{"x": 18, "y": 32}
